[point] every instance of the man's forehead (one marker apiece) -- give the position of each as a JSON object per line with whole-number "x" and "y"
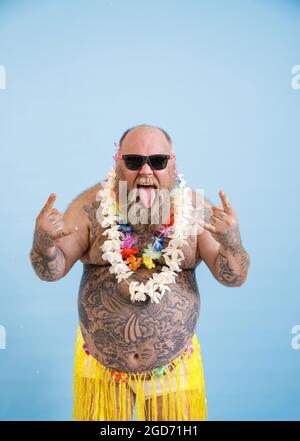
{"x": 149, "y": 139}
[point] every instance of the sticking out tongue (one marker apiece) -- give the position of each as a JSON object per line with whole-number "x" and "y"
{"x": 147, "y": 195}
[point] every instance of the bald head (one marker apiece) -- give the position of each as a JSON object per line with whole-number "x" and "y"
{"x": 145, "y": 126}
{"x": 145, "y": 141}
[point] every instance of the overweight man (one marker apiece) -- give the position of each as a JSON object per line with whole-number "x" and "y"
{"x": 138, "y": 300}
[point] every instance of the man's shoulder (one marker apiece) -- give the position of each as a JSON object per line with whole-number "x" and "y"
{"x": 200, "y": 201}
{"x": 89, "y": 195}
{"x": 84, "y": 199}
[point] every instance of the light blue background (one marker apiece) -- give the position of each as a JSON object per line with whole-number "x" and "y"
{"x": 217, "y": 76}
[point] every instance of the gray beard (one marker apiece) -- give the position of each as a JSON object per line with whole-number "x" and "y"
{"x": 145, "y": 221}
{"x": 144, "y": 225}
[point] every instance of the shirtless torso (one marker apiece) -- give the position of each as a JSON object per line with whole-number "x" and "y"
{"x": 121, "y": 334}
{"x": 134, "y": 336}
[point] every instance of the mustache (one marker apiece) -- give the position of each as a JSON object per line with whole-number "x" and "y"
{"x": 149, "y": 181}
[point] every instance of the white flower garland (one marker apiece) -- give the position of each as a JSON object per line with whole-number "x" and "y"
{"x": 157, "y": 285}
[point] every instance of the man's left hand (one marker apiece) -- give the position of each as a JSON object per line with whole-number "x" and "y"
{"x": 224, "y": 225}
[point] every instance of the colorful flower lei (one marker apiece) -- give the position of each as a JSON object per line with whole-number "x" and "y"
{"x": 115, "y": 252}
{"x": 153, "y": 250}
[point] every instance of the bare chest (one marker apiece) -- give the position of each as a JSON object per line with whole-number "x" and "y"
{"x": 94, "y": 253}
{"x": 136, "y": 336}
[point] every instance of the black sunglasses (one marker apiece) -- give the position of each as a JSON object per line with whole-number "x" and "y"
{"x": 156, "y": 162}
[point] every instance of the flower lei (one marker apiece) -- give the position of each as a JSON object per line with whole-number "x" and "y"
{"x": 114, "y": 251}
{"x": 153, "y": 250}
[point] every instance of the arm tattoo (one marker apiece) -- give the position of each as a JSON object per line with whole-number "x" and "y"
{"x": 47, "y": 267}
{"x": 226, "y": 274}
{"x": 42, "y": 240}
{"x": 231, "y": 241}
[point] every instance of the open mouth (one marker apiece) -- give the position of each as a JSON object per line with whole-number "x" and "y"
{"x": 146, "y": 194}
{"x": 145, "y": 186}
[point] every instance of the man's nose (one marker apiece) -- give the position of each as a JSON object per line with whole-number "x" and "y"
{"x": 146, "y": 169}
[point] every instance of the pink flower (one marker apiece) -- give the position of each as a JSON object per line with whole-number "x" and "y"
{"x": 164, "y": 231}
{"x": 86, "y": 349}
{"x": 128, "y": 242}
{"x": 190, "y": 350}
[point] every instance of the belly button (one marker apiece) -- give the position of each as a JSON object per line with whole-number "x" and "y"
{"x": 136, "y": 355}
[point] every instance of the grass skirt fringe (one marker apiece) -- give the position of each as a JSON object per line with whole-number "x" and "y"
{"x": 103, "y": 394}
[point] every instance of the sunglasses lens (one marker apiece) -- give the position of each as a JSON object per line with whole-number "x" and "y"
{"x": 158, "y": 162}
{"x": 133, "y": 162}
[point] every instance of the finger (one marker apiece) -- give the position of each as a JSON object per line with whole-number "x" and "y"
{"x": 48, "y": 205}
{"x": 64, "y": 233}
{"x": 55, "y": 211}
{"x": 219, "y": 214}
{"x": 225, "y": 202}
{"x": 55, "y": 218}
{"x": 216, "y": 208}
{"x": 209, "y": 227}
{"x": 58, "y": 226}
{"x": 220, "y": 217}
{"x": 215, "y": 221}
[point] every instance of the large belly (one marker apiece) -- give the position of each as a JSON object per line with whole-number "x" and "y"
{"x": 134, "y": 337}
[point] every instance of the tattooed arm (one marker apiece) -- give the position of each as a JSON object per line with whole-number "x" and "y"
{"x": 56, "y": 247}
{"x": 48, "y": 261}
{"x": 220, "y": 245}
{"x": 232, "y": 262}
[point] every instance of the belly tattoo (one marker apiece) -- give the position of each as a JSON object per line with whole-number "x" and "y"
{"x": 136, "y": 336}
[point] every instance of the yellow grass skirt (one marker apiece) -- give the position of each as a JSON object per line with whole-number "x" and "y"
{"x": 104, "y": 394}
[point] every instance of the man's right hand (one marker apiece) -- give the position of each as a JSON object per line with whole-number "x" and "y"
{"x": 49, "y": 226}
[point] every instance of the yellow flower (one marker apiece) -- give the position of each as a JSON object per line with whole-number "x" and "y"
{"x": 148, "y": 262}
